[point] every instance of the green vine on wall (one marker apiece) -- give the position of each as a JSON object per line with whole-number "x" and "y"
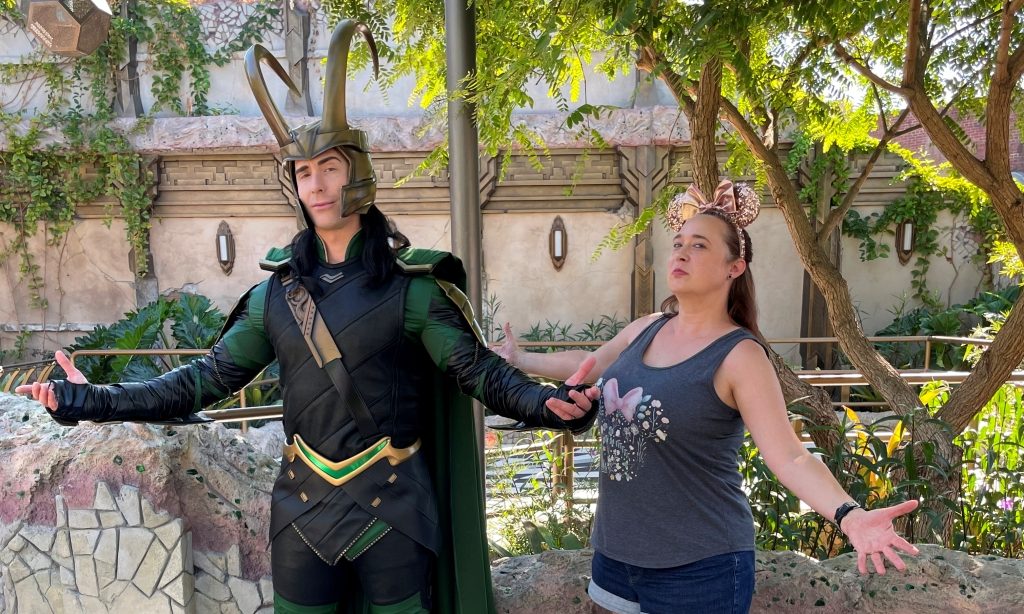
{"x": 45, "y": 183}
{"x": 931, "y": 189}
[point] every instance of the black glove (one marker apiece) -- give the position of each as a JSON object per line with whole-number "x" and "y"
{"x": 545, "y": 419}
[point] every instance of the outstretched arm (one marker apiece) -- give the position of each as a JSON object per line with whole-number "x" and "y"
{"x": 238, "y": 356}
{"x": 454, "y": 347}
{"x": 561, "y": 365}
{"x": 751, "y": 380}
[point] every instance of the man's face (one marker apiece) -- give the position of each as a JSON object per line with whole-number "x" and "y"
{"x": 319, "y": 182}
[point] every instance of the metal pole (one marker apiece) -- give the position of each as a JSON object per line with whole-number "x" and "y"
{"x": 463, "y": 155}
{"x": 463, "y": 158}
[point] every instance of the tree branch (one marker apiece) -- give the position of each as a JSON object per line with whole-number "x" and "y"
{"x": 865, "y": 71}
{"x": 996, "y": 364}
{"x": 651, "y": 61}
{"x": 913, "y": 75}
{"x": 959, "y": 31}
{"x": 835, "y": 216}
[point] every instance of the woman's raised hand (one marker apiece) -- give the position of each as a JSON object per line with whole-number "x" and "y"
{"x": 583, "y": 401}
{"x": 872, "y": 535}
{"x": 509, "y": 350}
{"x": 43, "y": 391}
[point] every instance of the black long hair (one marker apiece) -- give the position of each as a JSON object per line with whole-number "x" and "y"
{"x": 381, "y": 242}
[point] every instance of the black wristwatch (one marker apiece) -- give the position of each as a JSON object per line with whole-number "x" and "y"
{"x": 843, "y": 510}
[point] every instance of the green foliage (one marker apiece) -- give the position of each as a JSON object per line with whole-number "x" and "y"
{"x": 931, "y": 189}
{"x": 602, "y": 329}
{"x": 44, "y": 182}
{"x": 531, "y": 515}
{"x": 194, "y": 324}
{"x": 1006, "y": 254}
{"x": 886, "y": 465}
{"x": 956, "y": 321}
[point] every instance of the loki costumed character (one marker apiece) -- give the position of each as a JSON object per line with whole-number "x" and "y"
{"x": 378, "y": 506}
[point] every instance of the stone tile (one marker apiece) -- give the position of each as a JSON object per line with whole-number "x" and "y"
{"x": 266, "y": 591}
{"x": 106, "y": 547}
{"x": 42, "y": 579}
{"x": 245, "y": 594}
{"x": 132, "y": 600}
{"x": 82, "y": 604}
{"x": 132, "y": 547}
{"x": 83, "y": 541}
{"x": 61, "y": 551}
{"x": 265, "y": 610}
{"x": 205, "y": 605}
{"x": 128, "y": 504}
{"x": 6, "y": 556}
{"x": 150, "y": 569}
{"x": 30, "y": 600}
{"x": 112, "y": 591}
{"x": 55, "y": 576}
{"x": 151, "y": 518}
{"x": 181, "y": 589}
{"x": 85, "y": 576}
{"x": 211, "y": 587}
{"x": 39, "y": 536}
{"x": 234, "y": 561}
{"x": 208, "y": 563}
{"x": 17, "y": 543}
{"x": 111, "y": 519}
{"x": 229, "y": 608}
{"x": 55, "y": 598}
{"x": 106, "y": 573}
{"x": 83, "y": 519}
{"x": 175, "y": 564}
{"x": 67, "y": 576}
{"x": 90, "y": 605}
{"x": 103, "y": 499}
{"x": 7, "y": 533}
{"x": 18, "y": 569}
{"x": 35, "y": 559}
{"x": 72, "y": 601}
{"x": 170, "y": 533}
{"x": 62, "y": 511}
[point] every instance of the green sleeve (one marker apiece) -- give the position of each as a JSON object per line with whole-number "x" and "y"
{"x": 246, "y": 339}
{"x": 438, "y": 337}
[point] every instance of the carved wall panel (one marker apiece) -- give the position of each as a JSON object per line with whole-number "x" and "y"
{"x": 227, "y": 185}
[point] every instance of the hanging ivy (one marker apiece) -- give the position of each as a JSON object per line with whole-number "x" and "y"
{"x": 44, "y": 183}
{"x": 931, "y": 189}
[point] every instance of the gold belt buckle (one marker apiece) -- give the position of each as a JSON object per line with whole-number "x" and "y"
{"x": 338, "y": 473}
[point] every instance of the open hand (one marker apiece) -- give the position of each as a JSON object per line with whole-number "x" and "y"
{"x": 43, "y": 391}
{"x": 871, "y": 533}
{"x": 583, "y": 401}
{"x": 509, "y": 350}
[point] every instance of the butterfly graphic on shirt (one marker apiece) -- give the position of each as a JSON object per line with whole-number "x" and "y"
{"x": 629, "y": 423}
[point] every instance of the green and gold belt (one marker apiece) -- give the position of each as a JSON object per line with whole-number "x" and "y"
{"x": 337, "y": 473}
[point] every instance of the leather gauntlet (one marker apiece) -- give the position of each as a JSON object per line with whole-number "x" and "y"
{"x": 504, "y": 389}
{"x": 172, "y": 398}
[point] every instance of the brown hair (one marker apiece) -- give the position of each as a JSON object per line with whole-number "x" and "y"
{"x": 742, "y": 305}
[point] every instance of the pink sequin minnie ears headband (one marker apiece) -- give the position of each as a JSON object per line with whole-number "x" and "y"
{"x": 737, "y": 203}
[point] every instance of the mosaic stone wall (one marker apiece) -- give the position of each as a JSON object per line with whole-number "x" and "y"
{"x": 120, "y": 555}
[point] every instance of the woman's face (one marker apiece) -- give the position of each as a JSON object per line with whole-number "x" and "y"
{"x": 700, "y": 261}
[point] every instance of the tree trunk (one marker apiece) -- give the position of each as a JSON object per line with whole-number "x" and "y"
{"x": 704, "y": 128}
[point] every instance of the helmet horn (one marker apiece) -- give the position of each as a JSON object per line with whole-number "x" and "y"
{"x": 335, "y": 117}
{"x": 253, "y": 57}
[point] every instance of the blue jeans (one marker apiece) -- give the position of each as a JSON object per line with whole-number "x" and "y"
{"x": 718, "y": 584}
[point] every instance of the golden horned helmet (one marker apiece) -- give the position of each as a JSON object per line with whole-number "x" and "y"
{"x": 332, "y": 130}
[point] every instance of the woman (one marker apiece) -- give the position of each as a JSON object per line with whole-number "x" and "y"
{"x": 673, "y": 530}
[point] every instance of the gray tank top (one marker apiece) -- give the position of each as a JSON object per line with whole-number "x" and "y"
{"x": 670, "y": 486}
